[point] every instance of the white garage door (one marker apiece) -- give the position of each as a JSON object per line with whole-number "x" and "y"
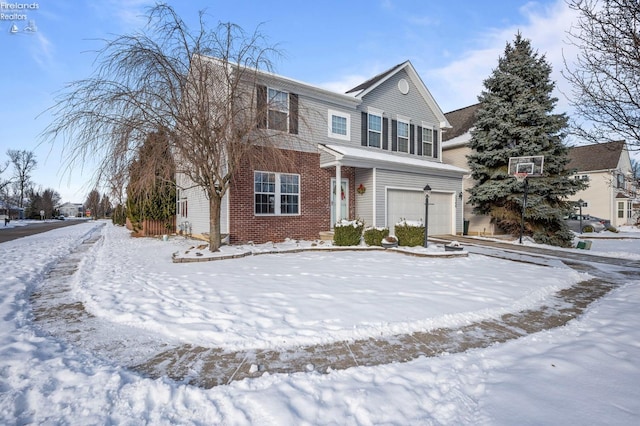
{"x": 409, "y": 205}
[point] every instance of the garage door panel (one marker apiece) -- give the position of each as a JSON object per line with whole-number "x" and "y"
{"x": 409, "y": 205}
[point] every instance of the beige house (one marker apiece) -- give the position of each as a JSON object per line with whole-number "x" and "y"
{"x": 455, "y": 148}
{"x": 606, "y": 167}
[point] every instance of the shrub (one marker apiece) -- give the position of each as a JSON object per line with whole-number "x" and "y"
{"x": 374, "y": 236}
{"x": 409, "y": 234}
{"x": 347, "y": 233}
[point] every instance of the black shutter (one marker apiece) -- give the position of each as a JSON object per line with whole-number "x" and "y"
{"x": 293, "y": 113}
{"x": 261, "y": 106}
{"x": 412, "y": 139}
{"x": 419, "y": 140}
{"x": 435, "y": 144}
{"x": 385, "y": 134}
{"x": 364, "y": 128}
{"x": 394, "y": 135}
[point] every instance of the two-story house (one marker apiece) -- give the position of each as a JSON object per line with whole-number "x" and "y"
{"x": 368, "y": 155}
{"x": 606, "y": 167}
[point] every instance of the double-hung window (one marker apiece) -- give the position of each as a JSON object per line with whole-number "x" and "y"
{"x": 339, "y": 125}
{"x": 403, "y": 136}
{"x": 278, "y": 110}
{"x": 276, "y": 193}
{"x": 427, "y": 141}
{"x": 374, "y": 130}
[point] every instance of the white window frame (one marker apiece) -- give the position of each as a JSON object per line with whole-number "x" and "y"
{"x": 407, "y": 122}
{"x": 427, "y": 129}
{"x": 277, "y": 194}
{"x": 335, "y": 135}
{"x": 281, "y": 107}
{"x": 378, "y": 113}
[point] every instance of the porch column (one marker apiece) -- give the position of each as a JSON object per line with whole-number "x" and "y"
{"x": 338, "y": 194}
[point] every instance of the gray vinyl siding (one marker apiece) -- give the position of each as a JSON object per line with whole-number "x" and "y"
{"x": 364, "y": 202}
{"x": 414, "y": 181}
{"x": 198, "y": 208}
{"x": 388, "y": 98}
{"x": 313, "y": 108}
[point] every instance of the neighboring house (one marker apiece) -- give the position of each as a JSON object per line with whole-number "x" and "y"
{"x": 606, "y": 167}
{"x": 455, "y": 148}
{"x": 381, "y": 142}
{"x": 70, "y": 209}
{"x": 10, "y": 211}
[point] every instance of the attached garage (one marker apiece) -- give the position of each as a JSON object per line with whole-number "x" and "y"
{"x": 409, "y": 205}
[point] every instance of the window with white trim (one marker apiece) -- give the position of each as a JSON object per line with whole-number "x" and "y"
{"x": 374, "y": 130}
{"x": 427, "y": 141}
{"x": 276, "y": 193}
{"x": 339, "y": 125}
{"x": 278, "y": 110}
{"x": 403, "y": 136}
{"x": 621, "y": 209}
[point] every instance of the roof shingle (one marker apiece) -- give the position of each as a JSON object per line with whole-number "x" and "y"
{"x": 599, "y": 156}
{"x": 461, "y": 120}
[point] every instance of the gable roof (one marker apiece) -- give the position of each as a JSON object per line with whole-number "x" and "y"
{"x": 363, "y": 89}
{"x": 461, "y": 120}
{"x": 375, "y": 80}
{"x": 599, "y": 156}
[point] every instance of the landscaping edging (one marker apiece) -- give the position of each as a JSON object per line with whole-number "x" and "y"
{"x": 176, "y": 259}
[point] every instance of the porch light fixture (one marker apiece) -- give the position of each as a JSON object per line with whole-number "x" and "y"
{"x": 427, "y": 193}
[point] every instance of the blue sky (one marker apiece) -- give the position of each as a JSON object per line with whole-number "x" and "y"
{"x": 453, "y": 45}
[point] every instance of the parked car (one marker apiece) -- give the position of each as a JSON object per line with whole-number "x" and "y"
{"x": 589, "y": 223}
{"x": 60, "y": 217}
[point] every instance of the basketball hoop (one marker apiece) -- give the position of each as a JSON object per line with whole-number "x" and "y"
{"x": 520, "y": 177}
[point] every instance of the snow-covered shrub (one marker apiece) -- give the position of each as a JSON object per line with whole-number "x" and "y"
{"x": 347, "y": 232}
{"x": 374, "y": 236}
{"x": 410, "y": 233}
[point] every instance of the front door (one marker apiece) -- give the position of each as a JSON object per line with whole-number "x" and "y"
{"x": 344, "y": 200}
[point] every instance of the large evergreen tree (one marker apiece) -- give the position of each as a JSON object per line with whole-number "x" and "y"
{"x": 516, "y": 119}
{"x": 151, "y": 192}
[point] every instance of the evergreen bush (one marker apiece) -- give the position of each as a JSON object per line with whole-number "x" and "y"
{"x": 409, "y": 235}
{"x": 374, "y": 236}
{"x": 347, "y": 233}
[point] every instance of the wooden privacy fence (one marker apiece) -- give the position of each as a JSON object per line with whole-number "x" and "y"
{"x": 151, "y": 228}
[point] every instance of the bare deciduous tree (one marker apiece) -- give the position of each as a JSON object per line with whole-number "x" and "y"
{"x": 24, "y": 162}
{"x": 3, "y": 181}
{"x": 197, "y": 86}
{"x": 605, "y": 76}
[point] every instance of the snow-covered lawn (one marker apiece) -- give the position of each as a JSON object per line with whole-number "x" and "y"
{"x": 584, "y": 373}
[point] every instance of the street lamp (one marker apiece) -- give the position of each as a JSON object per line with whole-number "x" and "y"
{"x": 427, "y": 192}
{"x": 580, "y": 203}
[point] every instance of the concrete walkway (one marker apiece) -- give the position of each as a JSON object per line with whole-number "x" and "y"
{"x": 57, "y": 313}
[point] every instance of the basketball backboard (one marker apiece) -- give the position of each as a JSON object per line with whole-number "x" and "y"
{"x": 531, "y": 165}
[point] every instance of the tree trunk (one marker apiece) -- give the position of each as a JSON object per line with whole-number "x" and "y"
{"x": 214, "y": 221}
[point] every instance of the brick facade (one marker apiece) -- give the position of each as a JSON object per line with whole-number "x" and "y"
{"x": 315, "y": 214}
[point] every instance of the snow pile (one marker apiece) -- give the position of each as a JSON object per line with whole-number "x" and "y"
{"x": 585, "y": 372}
